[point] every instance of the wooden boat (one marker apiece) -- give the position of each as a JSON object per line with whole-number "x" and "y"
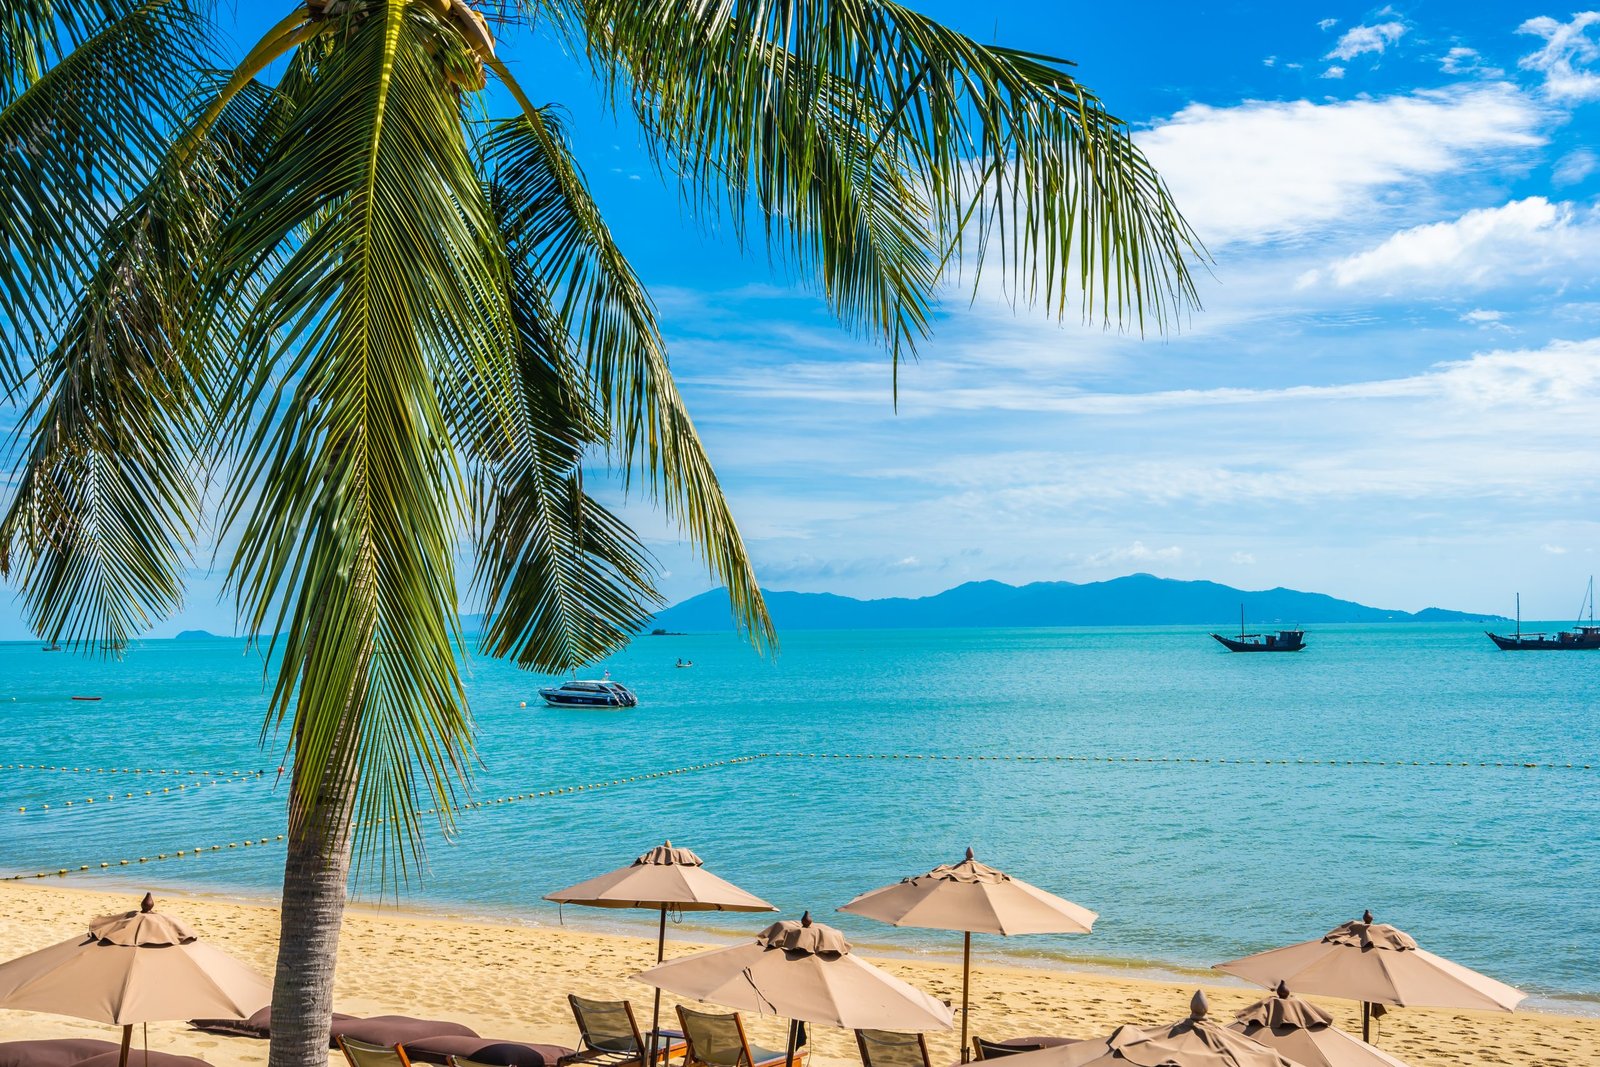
{"x": 1282, "y": 641}
{"x": 1581, "y": 636}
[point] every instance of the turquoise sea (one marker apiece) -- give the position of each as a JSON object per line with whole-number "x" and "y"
{"x": 1207, "y": 805}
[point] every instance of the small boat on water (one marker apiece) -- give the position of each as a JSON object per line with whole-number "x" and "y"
{"x": 1282, "y": 641}
{"x": 579, "y": 693}
{"x": 1581, "y": 636}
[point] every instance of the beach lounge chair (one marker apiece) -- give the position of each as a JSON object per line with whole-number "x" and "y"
{"x": 361, "y": 1054}
{"x": 609, "y": 1035}
{"x": 888, "y": 1048}
{"x": 993, "y": 1050}
{"x": 720, "y": 1041}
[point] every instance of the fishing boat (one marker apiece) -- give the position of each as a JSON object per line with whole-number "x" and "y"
{"x": 578, "y": 693}
{"x": 1282, "y": 641}
{"x": 1582, "y": 635}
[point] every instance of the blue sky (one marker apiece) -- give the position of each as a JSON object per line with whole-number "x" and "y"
{"x": 1391, "y": 393}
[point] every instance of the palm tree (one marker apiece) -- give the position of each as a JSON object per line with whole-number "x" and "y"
{"x": 340, "y": 321}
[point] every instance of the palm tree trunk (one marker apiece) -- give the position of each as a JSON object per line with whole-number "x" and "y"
{"x": 316, "y": 877}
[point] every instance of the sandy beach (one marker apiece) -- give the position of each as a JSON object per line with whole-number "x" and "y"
{"x": 511, "y": 982}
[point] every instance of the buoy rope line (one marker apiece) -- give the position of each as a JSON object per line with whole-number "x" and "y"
{"x": 183, "y": 789}
{"x": 62, "y": 872}
{"x": 1297, "y": 762}
{"x": 127, "y": 770}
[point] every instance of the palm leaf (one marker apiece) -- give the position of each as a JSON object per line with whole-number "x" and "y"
{"x": 1019, "y": 165}
{"x": 85, "y": 136}
{"x": 556, "y": 231}
{"x": 346, "y": 491}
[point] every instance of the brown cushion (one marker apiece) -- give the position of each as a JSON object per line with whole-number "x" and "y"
{"x": 1040, "y": 1042}
{"x": 394, "y": 1030}
{"x": 53, "y": 1052}
{"x": 258, "y": 1025}
{"x": 136, "y": 1058}
{"x": 485, "y": 1050}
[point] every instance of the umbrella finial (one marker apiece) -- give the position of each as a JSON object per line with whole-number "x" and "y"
{"x": 805, "y": 920}
{"x": 1283, "y": 989}
{"x": 1366, "y": 916}
{"x": 969, "y": 852}
{"x": 148, "y": 903}
{"x": 1198, "y": 1006}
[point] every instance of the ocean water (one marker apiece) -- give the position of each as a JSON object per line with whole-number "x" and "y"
{"x": 1139, "y": 772}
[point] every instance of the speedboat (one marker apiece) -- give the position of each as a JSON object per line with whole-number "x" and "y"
{"x": 589, "y": 694}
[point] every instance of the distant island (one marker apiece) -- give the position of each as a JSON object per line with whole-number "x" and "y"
{"x": 197, "y": 635}
{"x": 1133, "y": 600}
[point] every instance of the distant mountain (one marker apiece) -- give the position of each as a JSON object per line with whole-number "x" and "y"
{"x": 196, "y": 635}
{"x": 1133, "y": 600}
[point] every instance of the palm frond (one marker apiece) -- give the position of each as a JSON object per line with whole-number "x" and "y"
{"x": 1019, "y": 166}
{"x": 557, "y": 234}
{"x": 346, "y": 493}
{"x": 564, "y": 582}
{"x": 85, "y": 136}
{"x": 35, "y": 34}
{"x": 105, "y": 497}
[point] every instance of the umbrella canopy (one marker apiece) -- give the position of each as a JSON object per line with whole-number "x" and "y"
{"x": 667, "y": 878}
{"x": 1376, "y": 964}
{"x": 974, "y": 898}
{"x": 1194, "y": 1042}
{"x": 135, "y": 967}
{"x": 803, "y": 971}
{"x": 663, "y": 879}
{"x": 1305, "y": 1034}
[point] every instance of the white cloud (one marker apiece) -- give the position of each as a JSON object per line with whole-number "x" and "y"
{"x": 1358, "y": 40}
{"x": 1575, "y": 166}
{"x": 1484, "y": 247}
{"x": 1483, "y": 315}
{"x": 1138, "y": 552}
{"x": 1327, "y": 24}
{"x": 1567, "y": 49}
{"x": 1271, "y": 169}
{"x": 1461, "y": 60}
{"x": 1334, "y": 73}
{"x": 1555, "y": 550}
{"x": 1244, "y": 559}
{"x": 1270, "y": 61}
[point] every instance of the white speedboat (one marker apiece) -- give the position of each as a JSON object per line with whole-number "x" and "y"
{"x": 589, "y": 694}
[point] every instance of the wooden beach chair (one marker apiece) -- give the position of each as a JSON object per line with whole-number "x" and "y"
{"x": 994, "y": 1050}
{"x": 609, "y": 1035}
{"x": 720, "y": 1041}
{"x": 361, "y": 1054}
{"x": 888, "y": 1048}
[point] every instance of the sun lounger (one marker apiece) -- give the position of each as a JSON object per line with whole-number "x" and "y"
{"x": 609, "y": 1035}
{"x": 491, "y": 1052}
{"x": 719, "y": 1041}
{"x": 887, "y": 1048}
{"x": 994, "y": 1050}
{"x": 77, "y": 1051}
{"x": 361, "y": 1054}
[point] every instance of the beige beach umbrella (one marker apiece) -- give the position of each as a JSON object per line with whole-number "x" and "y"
{"x": 1194, "y": 1042}
{"x": 134, "y": 967}
{"x": 1305, "y": 1033}
{"x": 804, "y": 972}
{"x": 976, "y": 899}
{"x": 1375, "y": 964}
{"x": 663, "y": 879}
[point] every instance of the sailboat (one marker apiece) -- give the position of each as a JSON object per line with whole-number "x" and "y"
{"x": 1582, "y": 635}
{"x": 1282, "y": 641}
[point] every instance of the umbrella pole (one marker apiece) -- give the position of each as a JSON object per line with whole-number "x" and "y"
{"x": 127, "y": 1040}
{"x": 794, "y": 1035}
{"x": 966, "y": 980}
{"x": 1366, "y": 1022}
{"x": 655, "y": 1015}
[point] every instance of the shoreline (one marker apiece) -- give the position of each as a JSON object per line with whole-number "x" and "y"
{"x": 510, "y": 982}
{"x": 992, "y": 953}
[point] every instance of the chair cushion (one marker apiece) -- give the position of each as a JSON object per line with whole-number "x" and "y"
{"x": 258, "y": 1025}
{"x": 436, "y": 1048}
{"x": 136, "y": 1058}
{"x": 53, "y": 1052}
{"x": 394, "y": 1030}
